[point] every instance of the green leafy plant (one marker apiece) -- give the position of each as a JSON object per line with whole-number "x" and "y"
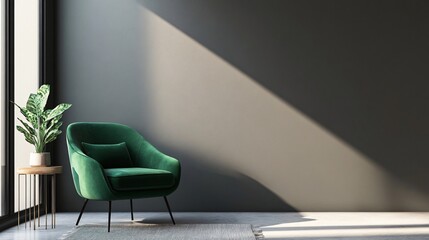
{"x": 42, "y": 126}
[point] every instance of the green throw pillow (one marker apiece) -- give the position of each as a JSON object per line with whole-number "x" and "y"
{"x": 109, "y": 155}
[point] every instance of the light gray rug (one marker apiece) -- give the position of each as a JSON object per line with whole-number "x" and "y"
{"x": 164, "y": 231}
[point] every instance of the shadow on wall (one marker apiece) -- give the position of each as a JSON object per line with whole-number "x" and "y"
{"x": 219, "y": 189}
{"x": 359, "y": 68}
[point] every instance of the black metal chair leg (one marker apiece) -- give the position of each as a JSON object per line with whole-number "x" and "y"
{"x": 169, "y": 210}
{"x": 131, "y": 205}
{"x": 81, "y": 212}
{"x": 110, "y": 213}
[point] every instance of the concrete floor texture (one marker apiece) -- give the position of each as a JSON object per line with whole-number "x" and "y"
{"x": 298, "y": 226}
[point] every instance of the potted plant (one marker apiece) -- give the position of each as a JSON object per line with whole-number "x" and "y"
{"x": 42, "y": 126}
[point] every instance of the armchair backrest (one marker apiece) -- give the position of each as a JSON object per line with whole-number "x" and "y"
{"x": 104, "y": 133}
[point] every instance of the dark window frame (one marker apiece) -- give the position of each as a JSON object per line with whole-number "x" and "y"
{"x": 10, "y": 217}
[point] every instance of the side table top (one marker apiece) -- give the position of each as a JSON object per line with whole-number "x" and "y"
{"x": 41, "y": 170}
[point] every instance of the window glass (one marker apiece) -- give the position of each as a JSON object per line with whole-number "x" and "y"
{"x": 26, "y": 80}
{"x": 2, "y": 108}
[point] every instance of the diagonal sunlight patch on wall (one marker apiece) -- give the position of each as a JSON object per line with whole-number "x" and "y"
{"x": 201, "y": 104}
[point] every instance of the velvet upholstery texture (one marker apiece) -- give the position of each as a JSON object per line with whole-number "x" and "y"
{"x": 148, "y": 173}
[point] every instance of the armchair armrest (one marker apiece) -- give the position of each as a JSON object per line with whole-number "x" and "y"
{"x": 168, "y": 163}
{"x": 150, "y": 157}
{"x": 88, "y": 177}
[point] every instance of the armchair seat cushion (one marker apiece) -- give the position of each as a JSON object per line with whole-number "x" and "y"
{"x": 125, "y": 179}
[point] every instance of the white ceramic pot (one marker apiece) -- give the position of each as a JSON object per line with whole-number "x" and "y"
{"x": 40, "y": 159}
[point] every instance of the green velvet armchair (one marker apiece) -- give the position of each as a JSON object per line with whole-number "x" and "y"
{"x": 110, "y": 161}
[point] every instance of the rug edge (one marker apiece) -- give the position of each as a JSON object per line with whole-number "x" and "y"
{"x": 257, "y": 232}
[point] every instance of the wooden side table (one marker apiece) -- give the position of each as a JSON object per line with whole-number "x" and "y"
{"x": 42, "y": 173}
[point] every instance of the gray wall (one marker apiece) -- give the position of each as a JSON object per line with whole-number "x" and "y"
{"x": 269, "y": 105}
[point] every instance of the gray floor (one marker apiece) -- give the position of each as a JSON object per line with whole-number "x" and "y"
{"x": 300, "y": 226}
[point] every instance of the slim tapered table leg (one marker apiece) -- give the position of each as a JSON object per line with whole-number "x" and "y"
{"x": 34, "y": 201}
{"x": 45, "y": 183}
{"x": 53, "y": 201}
{"x": 38, "y": 204}
{"x": 19, "y": 199}
{"x": 29, "y": 207}
{"x": 25, "y": 200}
